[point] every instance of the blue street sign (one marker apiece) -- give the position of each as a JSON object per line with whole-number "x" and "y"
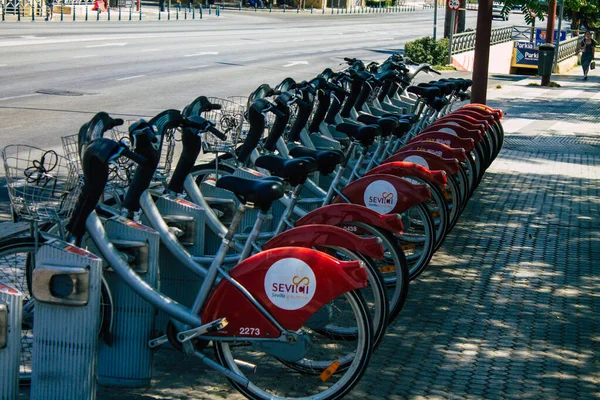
{"x": 525, "y": 55}
{"x": 540, "y": 36}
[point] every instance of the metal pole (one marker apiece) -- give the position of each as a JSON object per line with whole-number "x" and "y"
{"x": 452, "y": 15}
{"x": 562, "y": 9}
{"x": 435, "y": 18}
{"x": 482, "y": 52}
{"x": 550, "y": 33}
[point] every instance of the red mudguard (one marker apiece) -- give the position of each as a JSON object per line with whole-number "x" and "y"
{"x": 445, "y": 138}
{"x": 384, "y": 193}
{"x": 316, "y": 236}
{"x": 408, "y": 169}
{"x": 463, "y": 118}
{"x": 428, "y": 160}
{"x": 291, "y": 283}
{"x": 438, "y": 149}
{"x": 496, "y": 112}
{"x": 464, "y": 131}
{"x": 343, "y": 213}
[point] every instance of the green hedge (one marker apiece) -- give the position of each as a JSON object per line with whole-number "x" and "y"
{"x": 427, "y": 50}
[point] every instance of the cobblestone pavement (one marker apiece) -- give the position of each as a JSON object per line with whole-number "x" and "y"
{"x": 508, "y": 308}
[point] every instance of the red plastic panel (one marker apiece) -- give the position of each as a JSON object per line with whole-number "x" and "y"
{"x": 408, "y": 169}
{"x": 464, "y": 130}
{"x": 384, "y": 193}
{"x": 326, "y": 235}
{"x": 343, "y": 213}
{"x": 292, "y": 284}
{"x": 428, "y": 160}
{"x": 438, "y": 149}
{"x": 446, "y": 138}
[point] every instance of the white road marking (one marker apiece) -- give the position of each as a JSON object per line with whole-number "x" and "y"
{"x": 3, "y": 65}
{"x": 130, "y": 77}
{"x": 203, "y": 53}
{"x": 245, "y": 59}
{"x": 149, "y": 50}
{"x": 86, "y": 56}
{"x": 199, "y": 66}
{"x": 292, "y": 63}
{"x": 105, "y": 45}
{"x": 19, "y": 97}
{"x": 515, "y": 124}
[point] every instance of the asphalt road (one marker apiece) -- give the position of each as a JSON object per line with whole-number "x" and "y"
{"x": 55, "y": 76}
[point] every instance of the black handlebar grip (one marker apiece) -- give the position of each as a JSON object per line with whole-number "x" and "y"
{"x": 212, "y": 129}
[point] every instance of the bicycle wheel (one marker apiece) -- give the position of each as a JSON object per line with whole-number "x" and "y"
{"x": 393, "y": 266}
{"x": 15, "y": 255}
{"x": 375, "y": 294}
{"x": 316, "y": 375}
{"x": 417, "y": 239}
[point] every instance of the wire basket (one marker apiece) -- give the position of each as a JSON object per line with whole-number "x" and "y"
{"x": 42, "y": 185}
{"x": 230, "y": 121}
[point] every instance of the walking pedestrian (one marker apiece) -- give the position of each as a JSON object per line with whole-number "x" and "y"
{"x": 49, "y": 10}
{"x": 587, "y": 48}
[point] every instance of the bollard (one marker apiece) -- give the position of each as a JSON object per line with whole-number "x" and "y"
{"x": 311, "y": 9}
{"x": 11, "y": 313}
{"x": 86, "y": 13}
{"x": 130, "y": 13}
{"x": 185, "y": 14}
{"x": 74, "y": 13}
{"x": 210, "y": 9}
{"x": 270, "y": 7}
{"x": 284, "y": 8}
{"x": 33, "y": 11}
{"x": 127, "y": 361}
{"x": 3, "y": 13}
{"x": 218, "y": 11}
{"x": 108, "y": 13}
{"x": 62, "y": 14}
{"x": 98, "y": 15}
{"x": 193, "y": 13}
{"x": 298, "y": 9}
{"x": 168, "y": 13}
{"x": 323, "y": 10}
{"x": 177, "y": 14}
{"x": 66, "y": 286}
{"x": 200, "y": 9}
{"x": 240, "y": 5}
{"x": 140, "y": 12}
{"x": 19, "y": 12}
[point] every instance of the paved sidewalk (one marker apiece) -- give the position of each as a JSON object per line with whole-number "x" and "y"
{"x": 509, "y": 307}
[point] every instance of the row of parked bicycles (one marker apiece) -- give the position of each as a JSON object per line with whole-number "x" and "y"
{"x": 287, "y": 252}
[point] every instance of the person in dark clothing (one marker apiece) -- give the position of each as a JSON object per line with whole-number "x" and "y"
{"x": 587, "y": 48}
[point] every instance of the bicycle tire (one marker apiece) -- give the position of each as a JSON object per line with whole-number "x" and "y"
{"x": 419, "y": 261}
{"x": 375, "y": 294}
{"x": 270, "y": 381}
{"x": 15, "y": 255}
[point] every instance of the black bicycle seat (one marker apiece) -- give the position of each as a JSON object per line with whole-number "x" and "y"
{"x": 364, "y": 134}
{"x": 295, "y": 171}
{"x": 438, "y": 103}
{"x": 403, "y": 127}
{"x": 327, "y": 160}
{"x": 428, "y": 93}
{"x": 261, "y": 193}
{"x": 387, "y": 124}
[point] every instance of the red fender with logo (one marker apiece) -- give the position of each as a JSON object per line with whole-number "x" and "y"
{"x": 471, "y": 116}
{"x": 407, "y": 194}
{"x": 428, "y": 160}
{"x": 463, "y": 120}
{"x": 465, "y": 131}
{"x": 289, "y": 277}
{"x": 445, "y": 138}
{"x": 437, "y": 148}
{"x": 496, "y": 112}
{"x": 408, "y": 169}
{"x": 343, "y": 213}
{"x": 317, "y": 235}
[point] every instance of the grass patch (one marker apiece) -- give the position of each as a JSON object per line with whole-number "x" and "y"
{"x": 447, "y": 67}
{"x": 551, "y": 84}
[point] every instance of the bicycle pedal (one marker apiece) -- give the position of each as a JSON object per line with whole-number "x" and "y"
{"x": 157, "y": 342}
{"x": 213, "y": 326}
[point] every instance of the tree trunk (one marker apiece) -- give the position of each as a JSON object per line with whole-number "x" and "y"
{"x": 447, "y": 22}
{"x": 576, "y": 23}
